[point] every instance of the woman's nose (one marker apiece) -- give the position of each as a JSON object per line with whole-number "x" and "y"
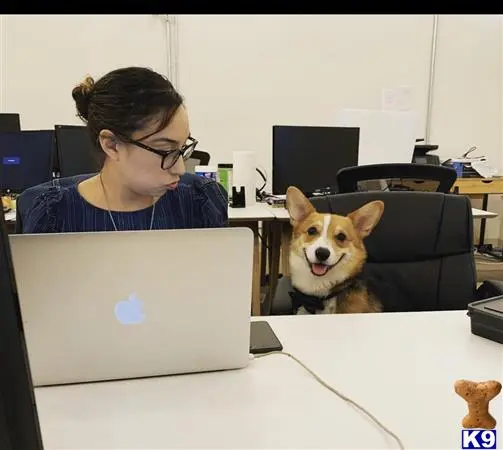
{"x": 179, "y": 168}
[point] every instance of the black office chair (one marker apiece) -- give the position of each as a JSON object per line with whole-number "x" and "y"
{"x": 198, "y": 158}
{"x": 393, "y": 177}
{"x": 421, "y": 251}
{"x": 202, "y": 157}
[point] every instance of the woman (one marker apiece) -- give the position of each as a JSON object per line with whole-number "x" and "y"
{"x": 140, "y": 126}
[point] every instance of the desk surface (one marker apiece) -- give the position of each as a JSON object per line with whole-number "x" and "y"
{"x": 481, "y": 214}
{"x": 259, "y": 211}
{"x": 401, "y": 367}
{"x": 263, "y": 211}
{"x": 281, "y": 213}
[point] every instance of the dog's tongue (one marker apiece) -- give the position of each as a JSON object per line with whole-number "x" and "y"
{"x": 319, "y": 269}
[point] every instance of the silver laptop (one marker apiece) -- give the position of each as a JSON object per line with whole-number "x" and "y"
{"x": 105, "y": 306}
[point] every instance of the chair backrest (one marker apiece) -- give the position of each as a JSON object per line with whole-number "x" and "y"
{"x": 198, "y": 158}
{"x": 411, "y": 177}
{"x": 423, "y": 246}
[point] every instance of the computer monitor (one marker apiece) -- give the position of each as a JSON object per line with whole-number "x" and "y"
{"x": 9, "y": 123}
{"x": 76, "y": 153}
{"x": 309, "y": 157}
{"x": 19, "y": 425}
{"x": 26, "y": 159}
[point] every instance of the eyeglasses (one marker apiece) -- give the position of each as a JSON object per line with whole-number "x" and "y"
{"x": 168, "y": 157}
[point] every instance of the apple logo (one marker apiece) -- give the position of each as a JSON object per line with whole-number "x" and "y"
{"x": 130, "y": 311}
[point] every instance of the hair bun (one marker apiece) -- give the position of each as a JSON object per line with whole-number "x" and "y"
{"x": 82, "y": 95}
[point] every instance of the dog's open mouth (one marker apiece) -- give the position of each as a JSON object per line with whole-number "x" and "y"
{"x": 320, "y": 269}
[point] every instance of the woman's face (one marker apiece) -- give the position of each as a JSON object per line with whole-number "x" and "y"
{"x": 141, "y": 168}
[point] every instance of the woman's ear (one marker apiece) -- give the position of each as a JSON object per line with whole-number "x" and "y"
{"x": 109, "y": 143}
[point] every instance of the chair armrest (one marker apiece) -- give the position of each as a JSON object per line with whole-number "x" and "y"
{"x": 490, "y": 288}
{"x": 282, "y": 303}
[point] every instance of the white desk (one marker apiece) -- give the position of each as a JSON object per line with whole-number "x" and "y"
{"x": 257, "y": 212}
{"x": 250, "y": 217}
{"x": 261, "y": 211}
{"x": 481, "y": 214}
{"x": 282, "y": 213}
{"x": 401, "y": 367}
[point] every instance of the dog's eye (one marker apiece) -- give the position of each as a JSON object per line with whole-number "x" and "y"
{"x": 312, "y": 231}
{"x": 340, "y": 237}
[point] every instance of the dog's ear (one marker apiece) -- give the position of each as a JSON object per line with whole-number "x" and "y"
{"x": 298, "y": 205}
{"x": 367, "y": 217}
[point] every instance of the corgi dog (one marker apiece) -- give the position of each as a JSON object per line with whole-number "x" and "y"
{"x": 327, "y": 257}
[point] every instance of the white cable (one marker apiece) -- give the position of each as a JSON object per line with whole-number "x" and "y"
{"x": 333, "y": 390}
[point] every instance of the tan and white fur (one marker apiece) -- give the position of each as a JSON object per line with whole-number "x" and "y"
{"x": 327, "y": 252}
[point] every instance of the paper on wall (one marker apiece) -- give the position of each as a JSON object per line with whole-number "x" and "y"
{"x": 385, "y": 136}
{"x": 396, "y": 99}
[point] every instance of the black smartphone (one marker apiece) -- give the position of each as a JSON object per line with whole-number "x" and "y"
{"x": 263, "y": 339}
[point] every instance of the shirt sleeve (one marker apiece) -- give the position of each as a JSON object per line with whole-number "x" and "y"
{"x": 212, "y": 205}
{"x": 40, "y": 216}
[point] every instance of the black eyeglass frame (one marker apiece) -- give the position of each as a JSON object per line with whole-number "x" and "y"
{"x": 185, "y": 152}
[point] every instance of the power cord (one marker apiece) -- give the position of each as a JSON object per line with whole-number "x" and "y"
{"x": 334, "y": 391}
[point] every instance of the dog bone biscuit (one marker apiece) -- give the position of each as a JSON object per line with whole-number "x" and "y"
{"x": 478, "y": 395}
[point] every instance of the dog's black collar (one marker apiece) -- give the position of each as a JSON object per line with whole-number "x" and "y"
{"x": 312, "y": 303}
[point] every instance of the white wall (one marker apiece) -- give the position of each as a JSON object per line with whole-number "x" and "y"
{"x": 467, "y": 103}
{"x": 243, "y": 74}
{"x": 44, "y": 57}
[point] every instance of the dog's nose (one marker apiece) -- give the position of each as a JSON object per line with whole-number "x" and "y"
{"x": 322, "y": 254}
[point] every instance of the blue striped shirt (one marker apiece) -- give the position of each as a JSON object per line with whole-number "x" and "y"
{"x": 199, "y": 203}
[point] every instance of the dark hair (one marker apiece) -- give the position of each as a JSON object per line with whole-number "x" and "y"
{"x": 125, "y": 100}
